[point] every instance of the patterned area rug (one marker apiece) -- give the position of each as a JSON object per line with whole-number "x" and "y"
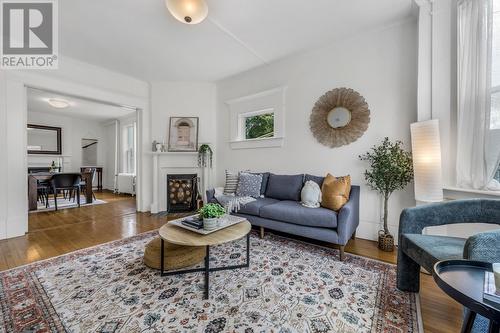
{"x": 290, "y": 287}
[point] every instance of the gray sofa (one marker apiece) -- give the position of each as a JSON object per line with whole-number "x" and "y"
{"x": 280, "y": 209}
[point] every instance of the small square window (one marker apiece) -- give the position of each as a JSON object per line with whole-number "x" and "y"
{"x": 259, "y": 126}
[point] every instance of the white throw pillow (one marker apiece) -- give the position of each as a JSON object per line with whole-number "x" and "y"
{"x": 310, "y": 194}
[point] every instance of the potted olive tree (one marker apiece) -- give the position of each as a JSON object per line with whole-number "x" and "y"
{"x": 210, "y": 213}
{"x": 390, "y": 170}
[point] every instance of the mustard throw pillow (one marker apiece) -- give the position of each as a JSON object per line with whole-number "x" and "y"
{"x": 335, "y": 191}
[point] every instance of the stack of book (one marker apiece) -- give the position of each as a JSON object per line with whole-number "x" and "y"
{"x": 491, "y": 293}
{"x": 193, "y": 222}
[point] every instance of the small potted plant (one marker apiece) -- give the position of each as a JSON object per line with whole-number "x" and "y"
{"x": 391, "y": 169}
{"x": 205, "y": 154}
{"x": 210, "y": 213}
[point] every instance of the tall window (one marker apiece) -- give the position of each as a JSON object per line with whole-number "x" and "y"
{"x": 129, "y": 148}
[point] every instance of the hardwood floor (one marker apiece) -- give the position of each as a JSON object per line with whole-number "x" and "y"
{"x": 55, "y": 233}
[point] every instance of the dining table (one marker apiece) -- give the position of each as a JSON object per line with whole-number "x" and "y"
{"x": 35, "y": 178}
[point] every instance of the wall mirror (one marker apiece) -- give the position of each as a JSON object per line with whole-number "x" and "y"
{"x": 89, "y": 152}
{"x": 339, "y": 117}
{"x": 44, "y": 140}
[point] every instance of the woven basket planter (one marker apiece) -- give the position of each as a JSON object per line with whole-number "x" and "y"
{"x": 385, "y": 241}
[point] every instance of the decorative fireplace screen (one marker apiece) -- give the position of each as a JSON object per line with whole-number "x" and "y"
{"x": 182, "y": 192}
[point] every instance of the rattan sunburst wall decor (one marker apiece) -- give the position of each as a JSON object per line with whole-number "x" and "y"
{"x": 339, "y": 117}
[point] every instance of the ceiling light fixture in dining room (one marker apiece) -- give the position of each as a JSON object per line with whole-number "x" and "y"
{"x": 188, "y": 11}
{"x": 58, "y": 103}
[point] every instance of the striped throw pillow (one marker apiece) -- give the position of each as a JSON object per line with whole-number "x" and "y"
{"x": 231, "y": 183}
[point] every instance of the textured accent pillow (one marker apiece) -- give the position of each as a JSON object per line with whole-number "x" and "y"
{"x": 231, "y": 183}
{"x": 284, "y": 187}
{"x": 265, "y": 178}
{"x": 335, "y": 191}
{"x": 249, "y": 185}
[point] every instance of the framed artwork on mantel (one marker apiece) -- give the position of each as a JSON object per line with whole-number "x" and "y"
{"x": 183, "y": 134}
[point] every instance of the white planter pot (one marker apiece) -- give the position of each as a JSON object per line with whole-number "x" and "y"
{"x": 210, "y": 224}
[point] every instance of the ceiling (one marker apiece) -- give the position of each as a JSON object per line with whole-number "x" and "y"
{"x": 79, "y": 108}
{"x": 140, "y": 38}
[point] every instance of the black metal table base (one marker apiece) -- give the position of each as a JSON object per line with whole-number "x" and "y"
{"x": 206, "y": 268}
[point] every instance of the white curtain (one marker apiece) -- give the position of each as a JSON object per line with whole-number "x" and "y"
{"x": 477, "y": 154}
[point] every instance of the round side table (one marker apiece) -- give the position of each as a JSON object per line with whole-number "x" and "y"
{"x": 463, "y": 280}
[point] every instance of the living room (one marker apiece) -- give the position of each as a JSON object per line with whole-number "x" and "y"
{"x": 343, "y": 157}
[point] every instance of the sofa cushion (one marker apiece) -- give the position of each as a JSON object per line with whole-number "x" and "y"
{"x": 294, "y": 212}
{"x": 253, "y": 208}
{"x": 284, "y": 187}
{"x": 317, "y": 179}
{"x": 427, "y": 249}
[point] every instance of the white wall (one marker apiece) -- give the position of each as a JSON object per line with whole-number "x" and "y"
{"x": 73, "y": 78}
{"x": 381, "y": 65}
{"x": 187, "y": 99}
{"x": 184, "y": 99}
{"x": 73, "y": 131}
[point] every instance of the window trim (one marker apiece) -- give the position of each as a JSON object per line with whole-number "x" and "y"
{"x": 269, "y": 101}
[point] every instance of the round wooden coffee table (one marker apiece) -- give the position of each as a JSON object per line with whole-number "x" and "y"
{"x": 178, "y": 235}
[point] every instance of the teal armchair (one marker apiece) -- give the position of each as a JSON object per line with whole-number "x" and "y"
{"x": 416, "y": 250}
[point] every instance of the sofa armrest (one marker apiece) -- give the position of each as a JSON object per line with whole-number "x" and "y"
{"x": 211, "y": 196}
{"x": 484, "y": 246}
{"x": 348, "y": 217}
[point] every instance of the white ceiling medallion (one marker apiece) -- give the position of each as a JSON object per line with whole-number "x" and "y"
{"x": 58, "y": 103}
{"x": 188, "y": 11}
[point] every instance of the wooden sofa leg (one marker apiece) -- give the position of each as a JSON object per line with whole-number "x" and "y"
{"x": 342, "y": 253}
{"x": 353, "y": 235}
{"x": 261, "y": 232}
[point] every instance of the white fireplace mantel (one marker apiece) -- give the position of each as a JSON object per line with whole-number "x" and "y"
{"x": 174, "y": 162}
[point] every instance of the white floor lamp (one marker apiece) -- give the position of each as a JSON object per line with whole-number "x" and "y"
{"x": 426, "y": 150}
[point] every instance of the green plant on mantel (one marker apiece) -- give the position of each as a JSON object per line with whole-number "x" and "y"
{"x": 391, "y": 169}
{"x": 205, "y": 154}
{"x": 211, "y": 211}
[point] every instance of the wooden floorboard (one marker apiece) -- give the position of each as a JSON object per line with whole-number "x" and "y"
{"x": 56, "y": 233}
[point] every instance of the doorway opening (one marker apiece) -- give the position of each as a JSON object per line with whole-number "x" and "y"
{"x": 82, "y": 154}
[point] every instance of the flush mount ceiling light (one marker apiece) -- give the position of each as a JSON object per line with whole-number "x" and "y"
{"x": 58, "y": 103}
{"x": 188, "y": 11}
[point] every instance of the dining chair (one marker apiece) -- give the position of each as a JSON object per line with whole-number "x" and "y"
{"x": 43, "y": 190}
{"x": 66, "y": 182}
{"x": 83, "y": 184}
